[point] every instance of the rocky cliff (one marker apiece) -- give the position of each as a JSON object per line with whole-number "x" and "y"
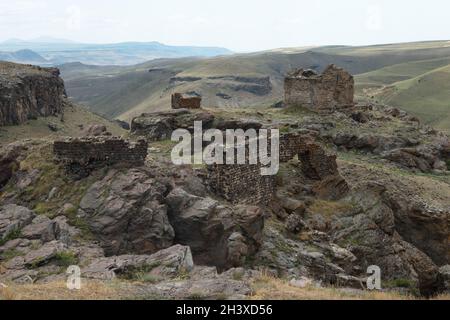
{"x": 27, "y": 92}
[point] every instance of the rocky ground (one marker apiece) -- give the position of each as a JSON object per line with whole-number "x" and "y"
{"x": 159, "y": 232}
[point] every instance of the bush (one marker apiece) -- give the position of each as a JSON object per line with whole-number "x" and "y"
{"x": 13, "y": 234}
{"x": 66, "y": 259}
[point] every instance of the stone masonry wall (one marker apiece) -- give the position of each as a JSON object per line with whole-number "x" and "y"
{"x": 181, "y": 102}
{"x": 244, "y": 183}
{"x": 241, "y": 183}
{"x": 92, "y": 152}
{"x": 334, "y": 88}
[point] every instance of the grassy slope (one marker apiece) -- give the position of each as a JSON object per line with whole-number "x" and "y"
{"x": 73, "y": 117}
{"x": 424, "y": 93}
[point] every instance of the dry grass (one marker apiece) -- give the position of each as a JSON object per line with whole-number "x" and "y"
{"x": 269, "y": 288}
{"x": 264, "y": 287}
{"x": 330, "y": 208}
{"x": 92, "y": 290}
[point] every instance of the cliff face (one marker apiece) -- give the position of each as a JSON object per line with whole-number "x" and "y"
{"x": 27, "y": 92}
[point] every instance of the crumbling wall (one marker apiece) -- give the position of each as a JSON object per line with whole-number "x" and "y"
{"x": 334, "y": 88}
{"x": 245, "y": 184}
{"x": 241, "y": 183}
{"x": 181, "y": 102}
{"x": 85, "y": 154}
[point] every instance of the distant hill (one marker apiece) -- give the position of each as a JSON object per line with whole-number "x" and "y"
{"x": 59, "y": 51}
{"x": 238, "y": 80}
{"x": 422, "y": 88}
{"x": 23, "y": 56}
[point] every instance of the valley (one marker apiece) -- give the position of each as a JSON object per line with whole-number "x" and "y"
{"x": 411, "y": 76}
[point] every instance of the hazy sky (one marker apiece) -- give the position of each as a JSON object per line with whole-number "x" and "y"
{"x": 240, "y": 25}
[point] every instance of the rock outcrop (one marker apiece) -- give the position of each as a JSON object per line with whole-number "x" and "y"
{"x": 127, "y": 214}
{"x": 218, "y": 235}
{"x": 28, "y": 92}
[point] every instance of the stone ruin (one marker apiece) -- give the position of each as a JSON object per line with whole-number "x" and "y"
{"x": 333, "y": 89}
{"x": 180, "y": 101}
{"x": 244, "y": 184}
{"x": 82, "y": 155}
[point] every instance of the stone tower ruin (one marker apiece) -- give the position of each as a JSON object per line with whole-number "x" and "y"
{"x": 180, "y": 101}
{"x": 332, "y": 89}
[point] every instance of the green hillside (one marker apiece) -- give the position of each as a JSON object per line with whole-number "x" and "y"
{"x": 408, "y": 75}
{"x": 426, "y": 96}
{"x": 76, "y": 120}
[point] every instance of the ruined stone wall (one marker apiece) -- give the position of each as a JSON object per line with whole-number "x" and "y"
{"x": 28, "y": 92}
{"x": 334, "y": 88}
{"x": 181, "y": 102}
{"x": 90, "y": 152}
{"x": 316, "y": 162}
{"x": 241, "y": 183}
{"x": 244, "y": 183}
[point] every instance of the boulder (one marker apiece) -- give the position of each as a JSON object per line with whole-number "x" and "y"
{"x": 370, "y": 234}
{"x": 14, "y": 218}
{"x": 218, "y": 235}
{"x": 96, "y": 130}
{"x": 126, "y": 212}
{"x": 44, "y": 254}
{"x": 294, "y": 223}
{"x": 444, "y": 274}
{"x": 165, "y": 264}
{"x": 41, "y": 228}
{"x": 160, "y": 125}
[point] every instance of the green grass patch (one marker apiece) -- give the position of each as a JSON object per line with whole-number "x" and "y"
{"x": 12, "y": 235}
{"x": 10, "y": 254}
{"x": 66, "y": 259}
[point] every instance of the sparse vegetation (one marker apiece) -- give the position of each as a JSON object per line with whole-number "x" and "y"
{"x": 66, "y": 259}
{"x": 13, "y": 234}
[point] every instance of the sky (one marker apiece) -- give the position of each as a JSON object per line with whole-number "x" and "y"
{"x": 239, "y": 25}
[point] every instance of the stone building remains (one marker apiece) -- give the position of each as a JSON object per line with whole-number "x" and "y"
{"x": 245, "y": 184}
{"x": 82, "y": 155}
{"x": 333, "y": 89}
{"x": 180, "y": 101}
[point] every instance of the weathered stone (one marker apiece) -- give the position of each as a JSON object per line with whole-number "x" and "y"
{"x": 82, "y": 155}
{"x": 334, "y": 88}
{"x": 372, "y": 237}
{"x": 96, "y": 130}
{"x": 27, "y": 92}
{"x": 160, "y": 125}
{"x": 294, "y": 223}
{"x": 9, "y": 161}
{"x": 126, "y": 213}
{"x": 41, "y": 228}
{"x": 13, "y": 218}
{"x": 167, "y": 263}
{"x": 444, "y": 274}
{"x": 180, "y": 101}
{"x": 44, "y": 254}
{"x": 218, "y": 235}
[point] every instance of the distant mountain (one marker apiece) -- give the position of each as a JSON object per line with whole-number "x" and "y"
{"x": 23, "y": 56}
{"x": 412, "y": 76}
{"x": 59, "y": 51}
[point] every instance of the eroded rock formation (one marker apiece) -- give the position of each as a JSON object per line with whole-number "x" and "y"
{"x": 28, "y": 92}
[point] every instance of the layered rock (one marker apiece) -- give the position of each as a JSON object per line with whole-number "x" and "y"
{"x": 28, "y": 92}
{"x": 126, "y": 212}
{"x": 218, "y": 235}
{"x": 372, "y": 234}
